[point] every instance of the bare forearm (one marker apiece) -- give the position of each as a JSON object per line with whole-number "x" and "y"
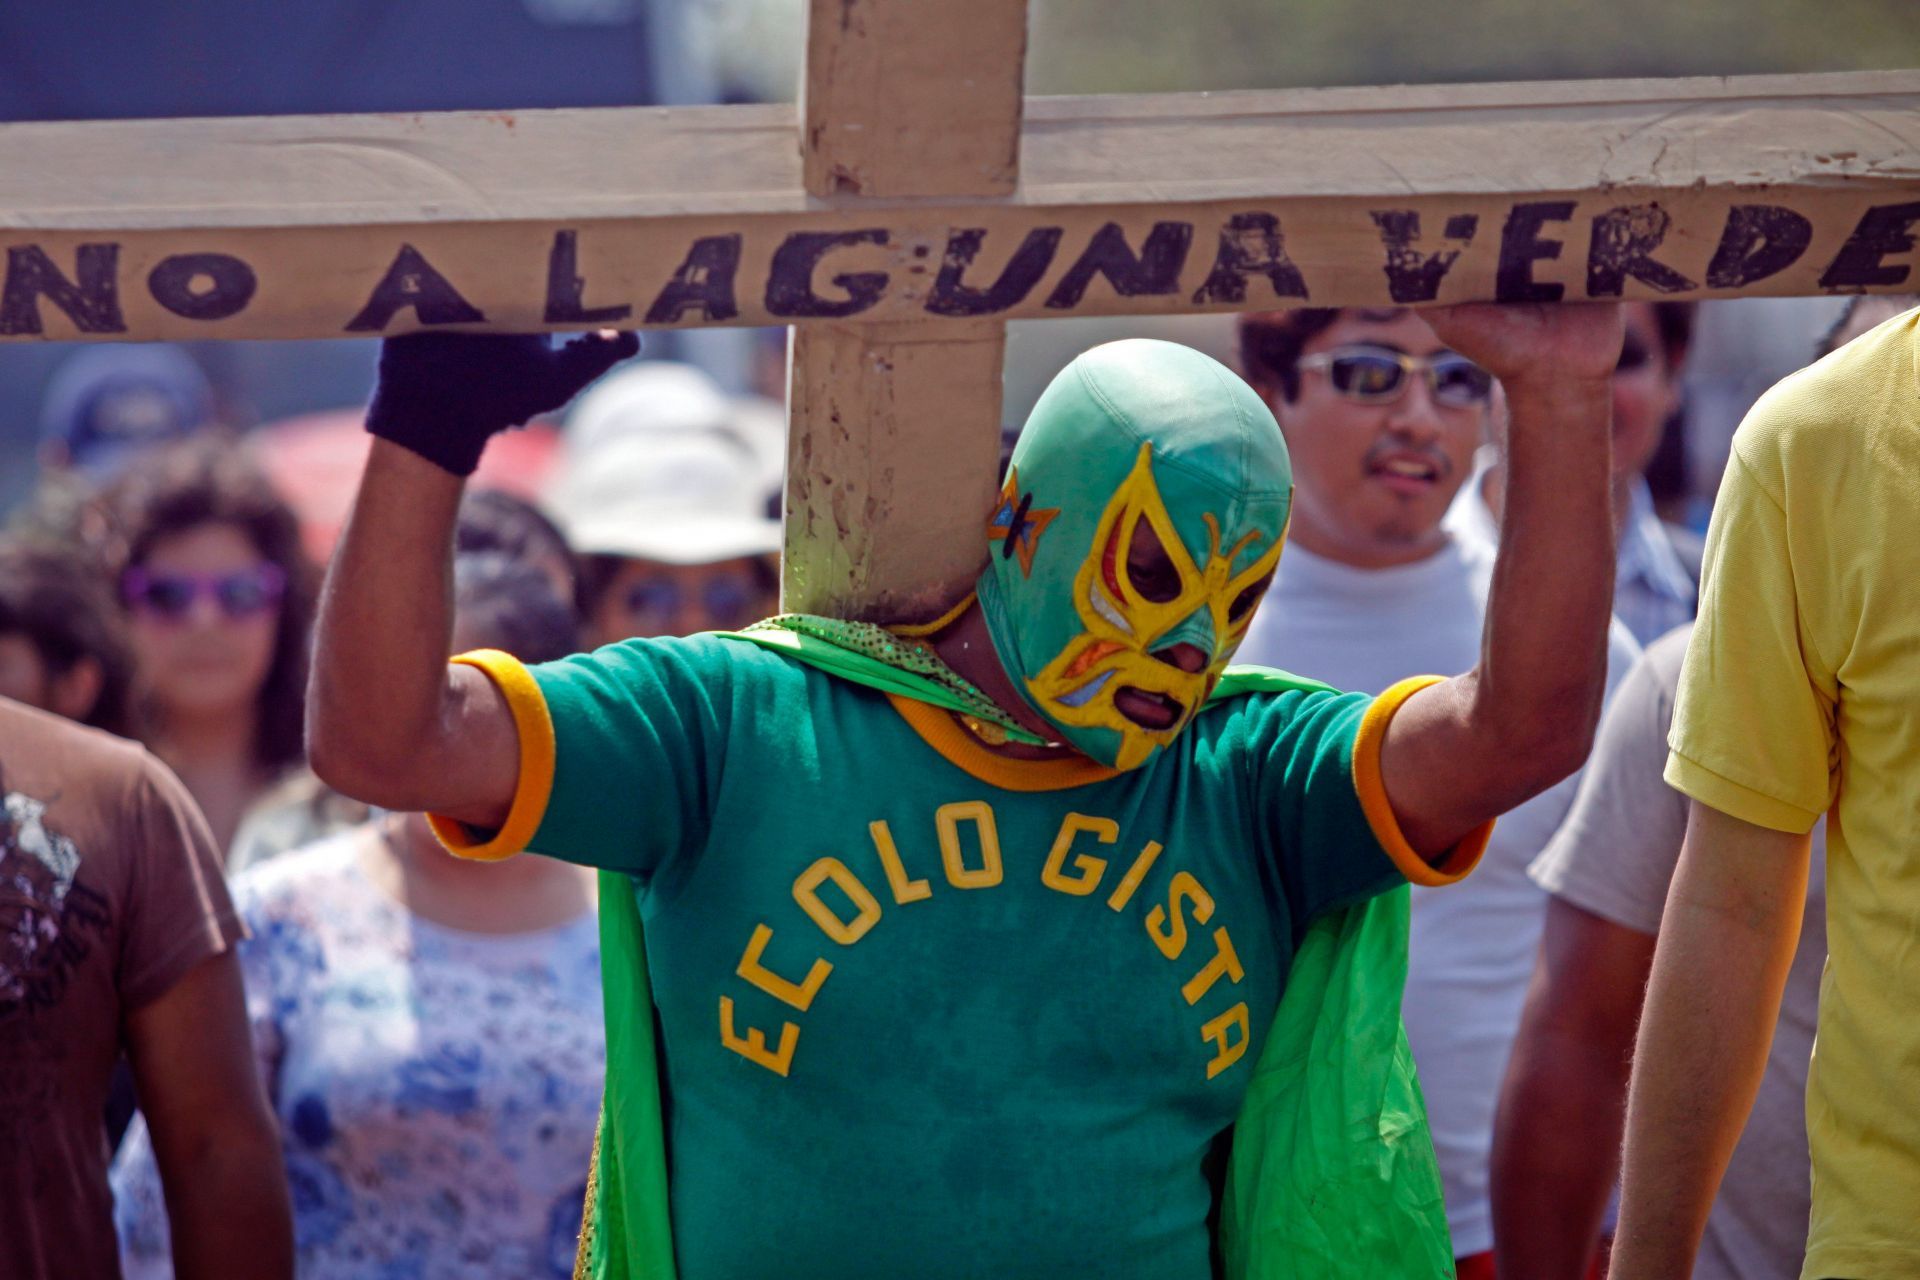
{"x": 1556, "y": 1136}
{"x": 214, "y": 1139}
{"x": 227, "y": 1220}
{"x": 1556, "y": 1148}
{"x": 1475, "y": 746}
{"x": 1543, "y": 662}
{"x": 379, "y": 674}
{"x": 1726, "y": 942}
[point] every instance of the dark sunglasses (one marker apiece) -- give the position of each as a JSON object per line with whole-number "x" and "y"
{"x": 240, "y": 594}
{"x": 726, "y": 601}
{"x": 1377, "y": 375}
{"x": 1634, "y": 354}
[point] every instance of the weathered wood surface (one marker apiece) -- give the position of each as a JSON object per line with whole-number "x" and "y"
{"x": 913, "y": 100}
{"x": 330, "y": 226}
{"x": 893, "y": 429}
{"x": 893, "y": 436}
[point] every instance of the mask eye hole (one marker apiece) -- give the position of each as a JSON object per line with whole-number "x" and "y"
{"x": 1149, "y": 569}
{"x": 1243, "y": 604}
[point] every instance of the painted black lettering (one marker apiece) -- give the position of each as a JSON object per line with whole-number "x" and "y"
{"x": 412, "y": 281}
{"x": 952, "y": 296}
{"x": 1521, "y": 247}
{"x": 1758, "y": 241}
{"x": 1155, "y": 270}
{"x": 704, "y": 279}
{"x": 790, "y": 278}
{"x": 565, "y": 286}
{"x": 91, "y": 300}
{"x": 1623, "y": 242}
{"x": 1883, "y": 229}
{"x": 1250, "y": 244}
{"x": 202, "y": 286}
{"x": 1413, "y": 276}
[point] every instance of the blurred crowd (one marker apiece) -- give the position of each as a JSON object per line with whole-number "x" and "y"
{"x": 408, "y": 1012}
{"x": 427, "y": 1032}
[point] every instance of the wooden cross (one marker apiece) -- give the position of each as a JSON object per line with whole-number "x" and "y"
{"x": 925, "y": 205}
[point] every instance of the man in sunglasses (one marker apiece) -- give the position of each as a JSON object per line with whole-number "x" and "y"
{"x": 1381, "y": 419}
{"x": 963, "y": 940}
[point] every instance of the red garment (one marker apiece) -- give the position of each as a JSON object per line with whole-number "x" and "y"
{"x": 1479, "y": 1266}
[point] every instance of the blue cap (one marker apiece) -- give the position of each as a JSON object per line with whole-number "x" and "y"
{"x": 108, "y": 403}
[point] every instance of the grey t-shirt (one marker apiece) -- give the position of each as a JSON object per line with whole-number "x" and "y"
{"x": 1614, "y": 856}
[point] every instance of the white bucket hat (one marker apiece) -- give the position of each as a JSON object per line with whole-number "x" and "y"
{"x": 658, "y": 464}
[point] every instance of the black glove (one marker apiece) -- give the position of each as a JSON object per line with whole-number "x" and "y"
{"x": 443, "y": 395}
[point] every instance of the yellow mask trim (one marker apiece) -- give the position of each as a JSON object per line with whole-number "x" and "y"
{"x": 1123, "y": 627}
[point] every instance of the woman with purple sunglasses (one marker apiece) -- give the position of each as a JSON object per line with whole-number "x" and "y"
{"x": 219, "y": 600}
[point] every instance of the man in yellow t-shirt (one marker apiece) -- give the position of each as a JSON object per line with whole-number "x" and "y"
{"x": 1799, "y": 695}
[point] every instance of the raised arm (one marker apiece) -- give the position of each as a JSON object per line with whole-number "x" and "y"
{"x": 388, "y": 721}
{"x": 1468, "y": 749}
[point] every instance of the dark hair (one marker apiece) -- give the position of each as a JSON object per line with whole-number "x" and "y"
{"x": 1830, "y": 340}
{"x": 197, "y": 483}
{"x": 1271, "y": 342}
{"x": 592, "y": 575}
{"x": 514, "y": 606}
{"x": 1669, "y": 471}
{"x": 1673, "y": 322}
{"x": 493, "y": 520}
{"x": 58, "y": 598}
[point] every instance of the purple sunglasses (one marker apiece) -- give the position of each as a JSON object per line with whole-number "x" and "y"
{"x": 240, "y": 594}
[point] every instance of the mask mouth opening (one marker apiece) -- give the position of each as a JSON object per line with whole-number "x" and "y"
{"x": 1149, "y": 710}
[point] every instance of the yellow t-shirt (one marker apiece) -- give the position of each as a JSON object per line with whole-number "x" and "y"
{"x": 1802, "y": 692}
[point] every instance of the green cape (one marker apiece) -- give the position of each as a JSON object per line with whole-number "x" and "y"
{"x": 1332, "y": 1172}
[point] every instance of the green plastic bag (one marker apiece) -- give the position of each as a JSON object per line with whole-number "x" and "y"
{"x": 1332, "y": 1171}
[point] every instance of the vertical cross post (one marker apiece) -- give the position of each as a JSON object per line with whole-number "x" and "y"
{"x": 894, "y": 428}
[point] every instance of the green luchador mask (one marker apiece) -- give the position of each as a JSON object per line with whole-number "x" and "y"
{"x": 1133, "y": 436}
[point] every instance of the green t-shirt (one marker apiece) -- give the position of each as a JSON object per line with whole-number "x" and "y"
{"x": 928, "y": 1011}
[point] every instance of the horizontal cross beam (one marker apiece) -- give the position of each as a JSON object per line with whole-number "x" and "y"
{"x": 307, "y": 227}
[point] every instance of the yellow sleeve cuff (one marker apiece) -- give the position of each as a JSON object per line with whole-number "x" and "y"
{"x": 1464, "y": 855}
{"x": 537, "y": 753}
{"x": 1697, "y": 782}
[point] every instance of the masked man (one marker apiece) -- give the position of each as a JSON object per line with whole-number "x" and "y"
{"x": 965, "y": 942}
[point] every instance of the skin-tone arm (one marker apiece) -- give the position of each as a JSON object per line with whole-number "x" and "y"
{"x": 389, "y": 721}
{"x": 214, "y": 1138}
{"x": 1726, "y": 942}
{"x": 1556, "y": 1135}
{"x": 1471, "y": 748}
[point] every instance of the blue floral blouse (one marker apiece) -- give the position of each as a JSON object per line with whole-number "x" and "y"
{"x": 436, "y": 1090}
